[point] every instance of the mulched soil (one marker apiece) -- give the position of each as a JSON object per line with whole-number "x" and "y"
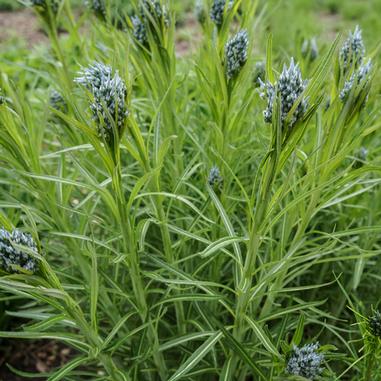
{"x": 40, "y": 356}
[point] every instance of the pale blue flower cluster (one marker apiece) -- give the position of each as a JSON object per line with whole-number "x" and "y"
{"x": 374, "y": 323}
{"x": 310, "y": 49}
{"x": 306, "y": 361}
{"x": 139, "y": 31}
{"x": 57, "y": 101}
{"x": 353, "y": 49}
{"x": 43, "y": 4}
{"x": 215, "y": 179}
{"x": 259, "y": 72}
{"x": 16, "y": 251}
{"x": 236, "y": 51}
{"x": 358, "y": 78}
{"x": 150, "y": 12}
{"x": 289, "y": 87}
{"x": 200, "y": 11}
{"x": 109, "y": 94}
{"x": 98, "y": 7}
{"x": 218, "y": 9}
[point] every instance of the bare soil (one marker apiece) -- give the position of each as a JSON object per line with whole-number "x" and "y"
{"x": 40, "y": 356}
{"x": 23, "y": 24}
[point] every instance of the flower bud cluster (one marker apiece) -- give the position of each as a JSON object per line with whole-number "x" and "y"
{"x": 353, "y": 49}
{"x": 16, "y": 251}
{"x": 236, "y": 51}
{"x": 310, "y": 49}
{"x": 98, "y": 7}
{"x": 57, "y": 101}
{"x": 215, "y": 179}
{"x": 218, "y": 9}
{"x": 374, "y": 324}
{"x": 289, "y": 87}
{"x": 200, "y": 11}
{"x": 305, "y": 361}
{"x": 109, "y": 94}
{"x": 357, "y": 79}
{"x": 42, "y": 6}
{"x": 151, "y": 16}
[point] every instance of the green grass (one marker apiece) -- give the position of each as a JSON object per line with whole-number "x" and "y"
{"x": 146, "y": 269}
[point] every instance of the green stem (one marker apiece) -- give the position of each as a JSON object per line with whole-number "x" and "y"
{"x": 137, "y": 284}
{"x": 243, "y": 294}
{"x": 369, "y": 365}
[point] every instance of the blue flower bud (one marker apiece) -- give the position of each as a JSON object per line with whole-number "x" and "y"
{"x": 98, "y": 7}
{"x": 16, "y": 252}
{"x": 259, "y": 73}
{"x": 57, "y": 101}
{"x": 215, "y": 179}
{"x": 217, "y": 11}
{"x": 152, "y": 15}
{"x": 358, "y": 78}
{"x": 139, "y": 31}
{"x": 353, "y": 50}
{"x": 109, "y": 94}
{"x": 310, "y": 49}
{"x": 374, "y": 324}
{"x": 305, "y": 361}
{"x": 200, "y": 11}
{"x": 236, "y": 53}
{"x": 42, "y": 5}
{"x": 290, "y": 86}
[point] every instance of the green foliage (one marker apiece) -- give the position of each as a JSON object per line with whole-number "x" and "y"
{"x": 197, "y": 241}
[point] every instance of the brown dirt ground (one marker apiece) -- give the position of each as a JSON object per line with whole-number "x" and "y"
{"x": 40, "y": 356}
{"x": 24, "y": 24}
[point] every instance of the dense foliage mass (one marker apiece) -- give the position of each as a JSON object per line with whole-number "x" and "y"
{"x": 207, "y": 215}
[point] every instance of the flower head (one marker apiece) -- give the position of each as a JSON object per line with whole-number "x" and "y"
{"x": 139, "y": 31}
{"x": 358, "y": 78}
{"x": 310, "y": 49}
{"x": 200, "y": 11}
{"x": 218, "y": 9}
{"x": 305, "y": 361}
{"x": 16, "y": 251}
{"x": 236, "y": 53}
{"x": 374, "y": 324}
{"x": 42, "y": 6}
{"x": 98, "y": 7}
{"x": 353, "y": 49}
{"x": 289, "y": 87}
{"x": 109, "y": 98}
{"x": 152, "y": 15}
{"x": 153, "y": 9}
{"x": 57, "y": 101}
{"x": 259, "y": 73}
{"x": 215, "y": 179}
